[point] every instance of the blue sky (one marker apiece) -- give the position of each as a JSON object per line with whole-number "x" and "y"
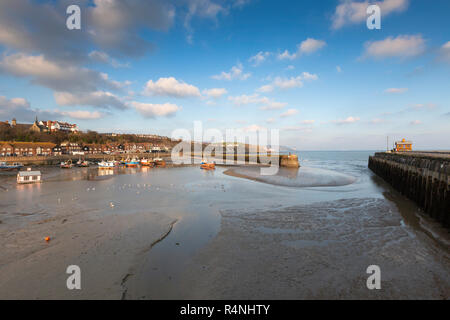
{"x": 311, "y": 69}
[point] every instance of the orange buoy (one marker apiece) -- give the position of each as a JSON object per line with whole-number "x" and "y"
{"x": 47, "y": 239}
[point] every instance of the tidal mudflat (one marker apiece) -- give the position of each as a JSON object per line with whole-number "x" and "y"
{"x": 187, "y": 233}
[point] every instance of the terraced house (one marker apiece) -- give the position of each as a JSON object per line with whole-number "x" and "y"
{"x": 26, "y": 149}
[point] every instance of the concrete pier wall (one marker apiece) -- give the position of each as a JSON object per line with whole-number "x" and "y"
{"x": 423, "y": 178}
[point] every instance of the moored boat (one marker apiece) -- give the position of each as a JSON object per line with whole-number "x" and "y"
{"x": 66, "y": 164}
{"x": 83, "y": 164}
{"x": 159, "y": 162}
{"x": 106, "y": 164}
{"x": 147, "y": 163}
{"x": 8, "y": 167}
{"x": 132, "y": 163}
{"x": 208, "y": 166}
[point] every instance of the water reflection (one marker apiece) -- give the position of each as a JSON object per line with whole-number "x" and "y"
{"x": 105, "y": 172}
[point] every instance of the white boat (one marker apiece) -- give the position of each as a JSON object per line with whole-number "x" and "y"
{"x": 106, "y": 164}
{"x": 29, "y": 176}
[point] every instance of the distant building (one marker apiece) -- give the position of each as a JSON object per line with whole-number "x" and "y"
{"x": 44, "y": 148}
{"x": 54, "y": 126}
{"x": 26, "y": 149}
{"x": 43, "y": 126}
{"x": 20, "y": 126}
{"x": 37, "y": 127}
{"x": 401, "y": 146}
{"x": 70, "y": 147}
{"x": 29, "y": 176}
{"x": 57, "y": 151}
{"x": 6, "y": 149}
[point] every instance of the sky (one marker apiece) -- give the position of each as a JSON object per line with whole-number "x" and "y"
{"x": 311, "y": 69}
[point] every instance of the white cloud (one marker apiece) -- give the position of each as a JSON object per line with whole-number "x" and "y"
{"x": 248, "y": 99}
{"x": 286, "y": 55}
{"x": 308, "y": 122}
{"x": 396, "y": 90}
{"x": 424, "y": 106}
{"x": 444, "y": 52}
{"x": 254, "y": 128}
{"x": 416, "y": 122}
{"x": 273, "y": 105}
{"x": 266, "y": 103}
{"x": 236, "y": 72}
{"x": 21, "y": 109}
{"x": 204, "y": 9}
{"x": 288, "y": 83}
{"x": 310, "y": 45}
{"x": 297, "y": 128}
{"x": 289, "y": 113}
{"x": 270, "y": 120}
{"x": 56, "y": 76}
{"x": 348, "y": 120}
{"x": 215, "y": 93}
{"x": 259, "y": 58}
{"x": 108, "y": 25}
{"x": 102, "y": 99}
{"x": 338, "y": 69}
{"x": 114, "y": 24}
{"x": 171, "y": 87}
{"x": 149, "y": 110}
{"x": 403, "y": 46}
{"x": 83, "y": 115}
{"x": 266, "y": 88}
{"x": 307, "y": 46}
{"x": 309, "y": 76}
{"x": 103, "y": 57}
{"x": 351, "y": 12}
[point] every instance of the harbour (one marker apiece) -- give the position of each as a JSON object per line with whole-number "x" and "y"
{"x": 150, "y": 233}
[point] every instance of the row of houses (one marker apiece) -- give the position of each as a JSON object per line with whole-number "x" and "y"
{"x": 25, "y": 149}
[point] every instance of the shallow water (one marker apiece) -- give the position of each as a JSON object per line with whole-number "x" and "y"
{"x": 233, "y": 234}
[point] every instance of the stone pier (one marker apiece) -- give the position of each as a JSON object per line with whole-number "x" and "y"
{"x": 423, "y": 177}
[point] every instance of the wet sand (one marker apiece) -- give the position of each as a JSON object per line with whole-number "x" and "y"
{"x": 192, "y": 234}
{"x": 318, "y": 251}
{"x": 293, "y": 177}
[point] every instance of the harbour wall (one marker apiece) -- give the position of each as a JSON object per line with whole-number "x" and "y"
{"x": 422, "y": 177}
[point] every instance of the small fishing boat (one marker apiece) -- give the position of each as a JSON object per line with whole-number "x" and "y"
{"x": 82, "y": 164}
{"x": 208, "y": 166}
{"x": 66, "y": 164}
{"x": 159, "y": 162}
{"x": 132, "y": 163}
{"x": 29, "y": 176}
{"x": 147, "y": 163}
{"x": 106, "y": 164}
{"x": 8, "y": 167}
